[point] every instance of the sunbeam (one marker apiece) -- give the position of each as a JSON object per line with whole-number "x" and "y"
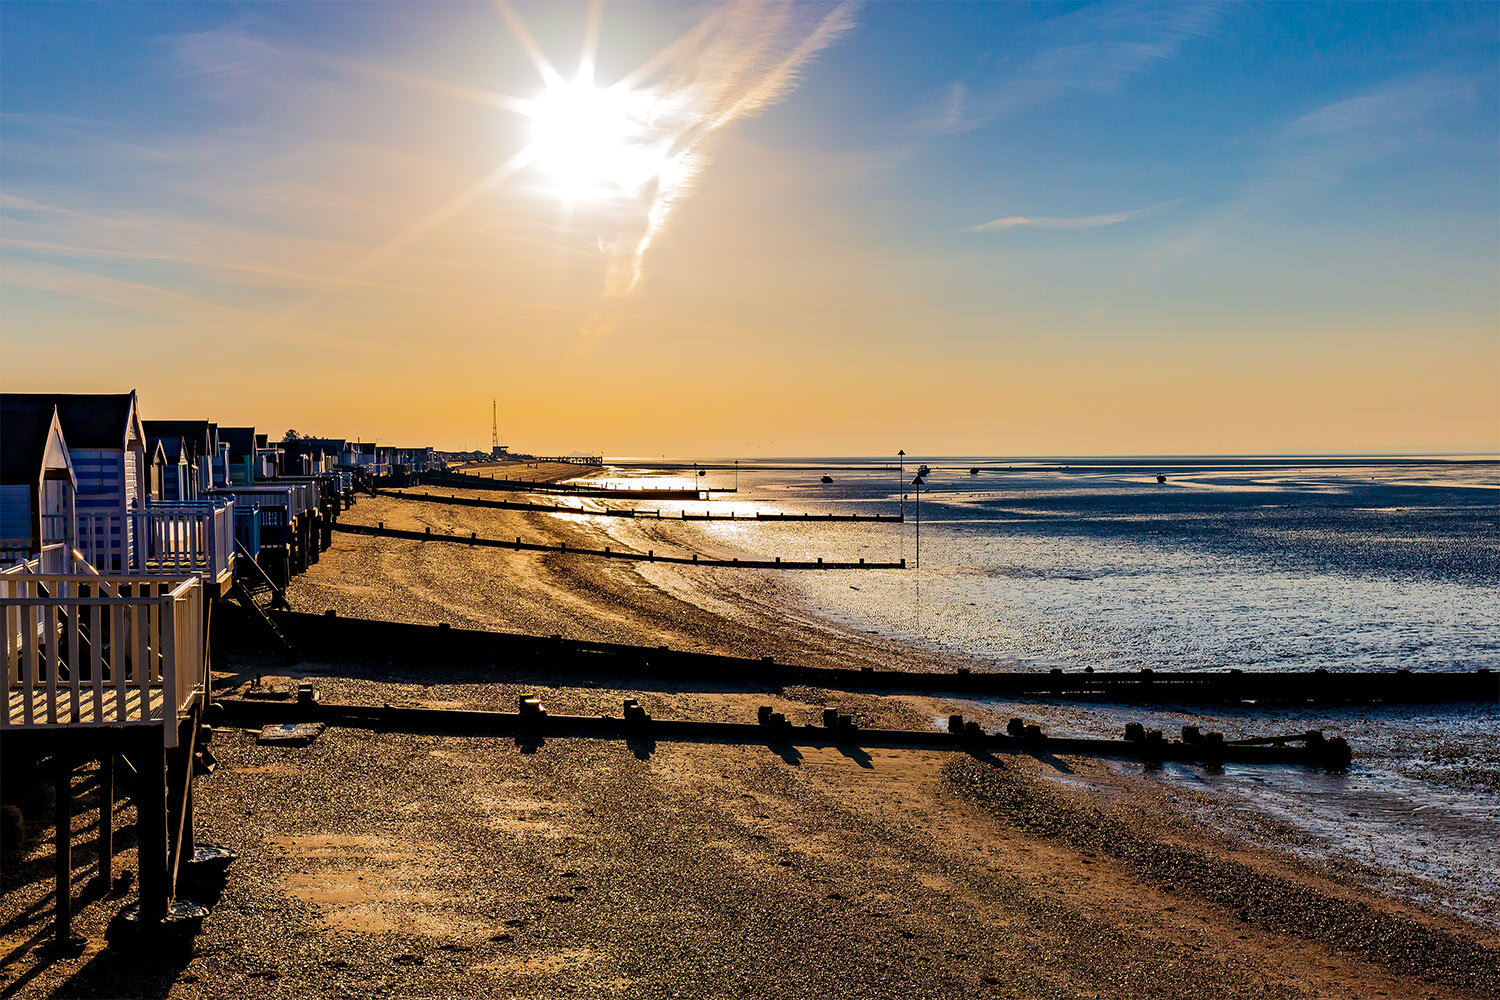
{"x": 639, "y": 142}
{"x": 591, "y": 27}
{"x": 528, "y": 44}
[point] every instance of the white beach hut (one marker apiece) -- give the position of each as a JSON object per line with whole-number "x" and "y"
{"x": 107, "y": 448}
{"x": 38, "y": 486}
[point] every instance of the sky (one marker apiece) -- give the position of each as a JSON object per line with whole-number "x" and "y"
{"x": 764, "y": 228}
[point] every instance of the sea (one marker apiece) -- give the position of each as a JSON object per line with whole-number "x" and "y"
{"x": 1266, "y": 563}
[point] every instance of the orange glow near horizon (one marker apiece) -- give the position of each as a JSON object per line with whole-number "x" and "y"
{"x": 708, "y": 240}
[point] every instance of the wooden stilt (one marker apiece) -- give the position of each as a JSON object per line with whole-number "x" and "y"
{"x": 62, "y": 765}
{"x": 179, "y": 799}
{"x": 151, "y": 824}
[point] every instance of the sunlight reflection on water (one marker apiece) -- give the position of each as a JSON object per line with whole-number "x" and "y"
{"x": 1296, "y": 565}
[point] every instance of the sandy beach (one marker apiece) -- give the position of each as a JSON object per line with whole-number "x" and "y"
{"x": 420, "y": 865}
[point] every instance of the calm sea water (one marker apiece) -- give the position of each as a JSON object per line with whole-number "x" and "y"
{"x": 1369, "y": 564}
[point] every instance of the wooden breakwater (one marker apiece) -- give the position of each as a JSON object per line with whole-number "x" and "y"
{"x": 381, "y": 531}
{"x": 465, "y": 482}
{"x": 633, "y": 512}
{"x": 507, "y": 655}
{"x": 532, "y": 722}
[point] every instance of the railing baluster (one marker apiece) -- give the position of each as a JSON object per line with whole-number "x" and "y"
{"x": 142, "y": 665}
{"x": 73, "y": 680}
{"x": 166, "y": 613}
{"x": 28, "y": 645}
{"x": 12, "y": 639}
{"x": 53, "y": 661}
{"x": 96, "y": 657}
{"x": 119, "y": 639}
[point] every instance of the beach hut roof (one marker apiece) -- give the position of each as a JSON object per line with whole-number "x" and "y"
{"x": 241, "y": 440}
{"x": 31, "y": 431}
{"x": 197, "y": 435}
{"x": 89, "y": 420}
{"x": 313, "y": 446}
{"x": 172, "y": 448}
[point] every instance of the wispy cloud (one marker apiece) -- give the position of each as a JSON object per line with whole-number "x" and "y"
{"x": 738, "y": 61}
{"x": 1094, "y": 50}
{"x": 1303, "y": 158}
{"x": 1068, "y": 222}
{"x": 1326, "y": 144}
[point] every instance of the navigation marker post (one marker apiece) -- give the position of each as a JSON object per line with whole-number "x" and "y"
{"x": 918, "y": 483}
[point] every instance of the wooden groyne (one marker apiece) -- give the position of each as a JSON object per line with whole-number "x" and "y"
{"x": 633, "y": 512}
{"x": 506, "y": 655}
{"x": 464, "y": 482}
{"x": 380, "y": 531}
{"x": 532, "y": 722}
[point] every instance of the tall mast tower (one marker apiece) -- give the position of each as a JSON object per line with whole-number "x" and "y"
{"x": 494, "y": 428}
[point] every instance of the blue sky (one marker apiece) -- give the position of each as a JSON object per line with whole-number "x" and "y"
{"x": 1282, "y": 219}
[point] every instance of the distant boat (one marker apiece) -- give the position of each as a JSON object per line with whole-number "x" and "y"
{"x": 974, "y": 471}
{"x": 1160, "y": 478}
{"x": 827, "y": 479}
{"x": 924, "y": 471}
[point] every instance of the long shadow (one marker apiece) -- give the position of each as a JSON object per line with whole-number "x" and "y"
{"x": 1053, "y": 761}
{"x": 856, "y": 754}
{"x": 246, "y": 667}
{"x": 140, "y": 962}
{"x": 40, "y": 867}
{"x": 147, "y": 968}
{"x": 786, "y": 752}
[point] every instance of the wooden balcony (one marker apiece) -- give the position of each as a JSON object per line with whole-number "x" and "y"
{"x": 89, "y": 650}
{"x": 190, "y": 538}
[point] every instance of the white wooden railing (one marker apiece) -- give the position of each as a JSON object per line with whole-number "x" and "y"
{"x": 174, "y": 538}
{"x": 83, "y": 649}
{"x": 56, "y": 559}
{"x": 297, "y": 498}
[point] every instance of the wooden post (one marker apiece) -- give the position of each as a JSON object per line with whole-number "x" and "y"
{"x": 180, "y": 798}
{"x": 62, "y": 777}
{"x": 106, "y": 874}
{"x": 151, "y": 823}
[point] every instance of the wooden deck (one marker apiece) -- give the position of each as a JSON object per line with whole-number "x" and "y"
{"x": 86, "y": 707}
{"x": 83, "y": 649}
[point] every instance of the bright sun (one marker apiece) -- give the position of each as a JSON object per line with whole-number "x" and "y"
{"x": 594, "y": 142}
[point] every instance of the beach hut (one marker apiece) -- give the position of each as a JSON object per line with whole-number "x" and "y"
{"x": 38, "y": 486}
{"x": 360, "y": 454}
{"x": 241, "y": 457}
{"x": 199, "y": 442}
{"x": 171, "y": 475}
{"x": 270, "y": 458}
{"x": 156, "y": 465}
{"x": 413, "y": 459}
{"x": 306, "y": 456}
{"x": 107, "y": 448}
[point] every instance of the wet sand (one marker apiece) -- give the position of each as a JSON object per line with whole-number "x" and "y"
{"x": 559, "y": 594}
{"x": 420, "y": 865}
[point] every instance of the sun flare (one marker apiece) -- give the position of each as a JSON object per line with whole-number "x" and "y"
{"x": 594, "y": 142}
